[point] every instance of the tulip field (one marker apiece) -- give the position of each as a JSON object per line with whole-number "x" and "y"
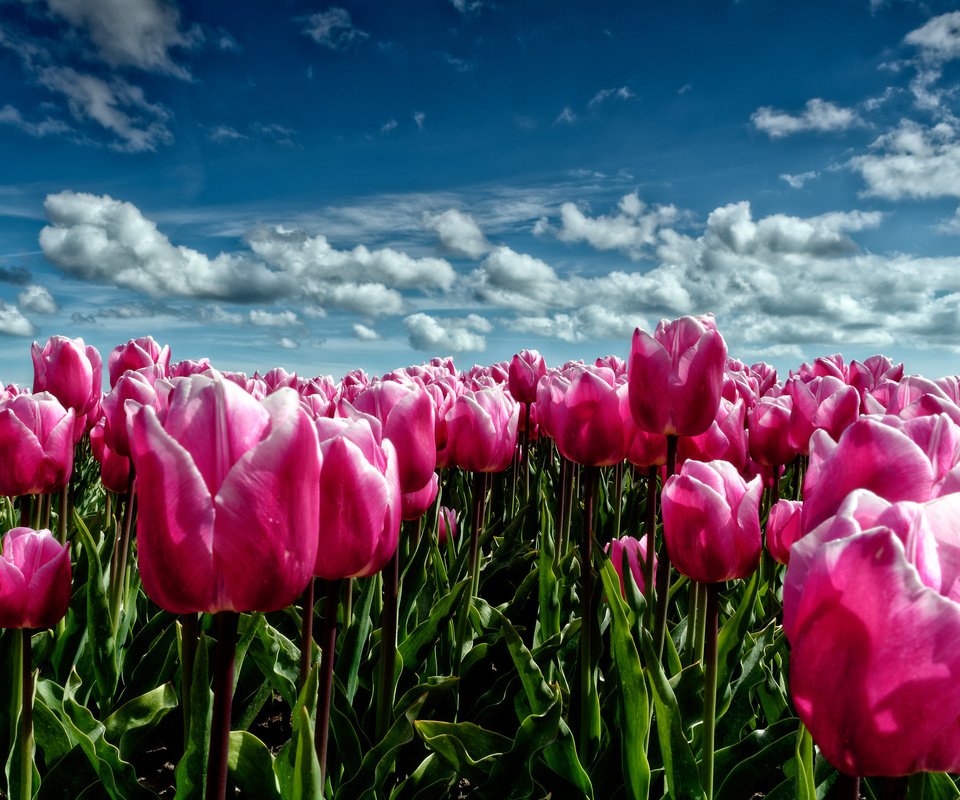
{"x": 662, "y": 574}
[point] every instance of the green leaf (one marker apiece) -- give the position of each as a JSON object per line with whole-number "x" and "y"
{"x": 100, "y": 634}
{"x": 191, "y": 772}
{"x": 355, "y": 638}
{"x": 806, "y": 787}
{"x": 50, "y": 734}
{"x": 931, "y": 786}
{"x": 306, "y": 768}
{"x": 118, "y": 776}
{"x": 412, "y": 648}
{"x": 634, "y": 702}
{"x": 278, "y": 659}
{"x": 463, "y": 745}
{"x": 733, "y": 634}
{"x": 680, "y": 767}
{"x": 750, "y": 774}
{"x": 251, "y": 767}
{"x": 289, "y": 765}
{"x": 130, "y": 724}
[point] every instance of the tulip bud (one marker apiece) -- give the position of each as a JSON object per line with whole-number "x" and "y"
{"x": 36, "y": 444}
{"x": 34, "y": 579}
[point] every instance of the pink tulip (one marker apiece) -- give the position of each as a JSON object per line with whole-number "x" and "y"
{"x": 711, "y": 521}
{"x": 766, "y": 376}
{"x": 769, "y": 426}
{"x": 824, "y": 366}
{"x": 279, "y": 378}
{"x": 34, "y": 579}
{"x": 138, "y": 354}
{"x": 822, "y": 403}
{"x": 36, "y": 444}
{"x": 898, "y": 460}
{"x": 783, "y": 528}
{"x": 114, "y": 469}
{"x": 229, "y": 510}
{"x": 359, "y": 500}
{"x": 583, "y": 406}
{"x": 481, "y": 430}
{"x": 725, "y": 439}
{"x": 642, "y": 449}
{"x": 70, "y": 371}
{"x": 407, "y": 416}
{"x": 636, "y": 552}
{"x": 188, "y": 367}
{"x": 131, "y": 390}
{"x": 414, "y": 505}
{"x": 526, "y": 370}
{"x": 675, "y": 376}
{"x": 448, "y": 525}
{"x": 872, "y": 613}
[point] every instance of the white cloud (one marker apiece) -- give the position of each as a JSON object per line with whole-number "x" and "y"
{"x": 131, "y": 33}
{"x": 565, "y": 117}
{"x": 287, "y": 343}
{"x": 460, "y": 64}
{"x": 623, "y": 93}
{"x": 46, "y": 127}
{"x": 939, "y": 38}
{"x": 278, "y": 133}
{"x": 365, "y": 334}
{"x": 448, "y": 335}
{"x": 224, "y": 133}
{"x": 583, "y": 324}
{"x": 632, "y": 231}
{"x": 468, "y": 7}
{"x": 119, "y": 107}
{"x": 333, "y": 28}
{"x": 13, "y": 323}
{"x": 300, "y": 254}
{"x": 389, "y": 125}
{"x": 38, "y": 300}
{"x": 458, "y": 232}
{"x": 102, "y": 239}
{"x": 912, "y": 161}
{"x": 273, "y": 319}
{"x": 798, "y": 181}
{"x": 419, "y": 118}
{"x": 950, "y": 226}
{"x": 818, "y": 115}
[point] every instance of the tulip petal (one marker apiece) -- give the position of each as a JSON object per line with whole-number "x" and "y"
{"x": 174, "y": 522}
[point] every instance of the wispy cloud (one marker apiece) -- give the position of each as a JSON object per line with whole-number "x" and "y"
{"x": 819, "y": 115}
{"x": 45, "y": 127}
{"x": 799, "y": 180}
{"x": 622, "y": 93}
{"x": 565, "y": 117}
{"x": 334, "y": 29}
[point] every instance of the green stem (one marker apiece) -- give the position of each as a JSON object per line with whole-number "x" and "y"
{"x": 710, "y": 688}
{"x": 388, "y": 645}
{"x": 526, "y": 452}
{"x": 188, "y": 651}
{"x": 565, "y": 480}
{"x": 650, "y": 527}
{"x": 328, "y": 643}
{"x": 118, "y": 565}
{"x": 62, "y": 514}
{"x": 479, "y": 493}
{"x": 227, "y": 622}
{"x": 694, "y": 616}
{"x": 306, "y": 632}
{"x": 701, "y": 623}
{"x": 663, "y": 567}
{"x": 26, "y": 716}
{"x": 589, "y": 721}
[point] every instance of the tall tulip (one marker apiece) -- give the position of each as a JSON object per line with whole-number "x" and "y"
{"x": 872, "y": 595}
{"x": 783, "y": 528}
{"x": 138, "y": 354}
{"x": 635, "y": 551}
{"x": 36, "y": 444}
{"x": 71, "y": 371}
{"x": 481, "y": 430}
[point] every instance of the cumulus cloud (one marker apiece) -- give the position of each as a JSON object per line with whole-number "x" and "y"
{"x": 131, "y": 33}
{"x": 273, "y": 319}
{"x": 365, "y": 334}
{"x": 448, "y": 335}
{"x": 18, "y": 276}
{"x": 45, "y": 127}
{"x": 912, "y": 160}
{"x": 623, "y": 93}
{"x": 334, "y": 29}
{"x": 584, "y": 324}
{"x": 818, "y": 115}
{"x": 939, "y": 38}
{"x": 13, "y": 323}
{"x": 117, "y": 106}
{"x": 632, "y": 230}
{"x": 458, "y": 232}
{"x": 102, "y": 239}
{"x": 950, "y": 226}
{"x": 38, "y": 300}
{"x": 517, "y": 280}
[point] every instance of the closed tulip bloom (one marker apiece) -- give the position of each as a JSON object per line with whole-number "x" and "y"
{"x": 822, "y": 403}
{"x": 676, "y": 376}
{"x": 898, "y": 460}
{"x": 34, "y": 579}
{"x": 36, "y": 444}
{"x": 768, "y": 424}
{"x": 407, "y": 415}
{"x": 188, "y": 367}
{"x": 636, "y": 553}
{"x": 783, "y": 528}
{"x": 481, "y": 430}
{"x": 584, "y": 413}
{"x": 711, "y": 521}
{"x": 448, "y": 525}
{"x": 526, "y": 369}
{"x": 229, "y": 509}
{"x": 114, "y": 469}
{"x": 359, "y": 500}
{"x": 642, "y": 449}
{"x": 136, "y": 388}
{"x": 70, "y": 370}
{"x": 872, "y": 612}
{"x": 414, "y": 505}
{"x": 279, "y": 378}
{"x": 138, "y": 354}
{"x": 725, "y": 439}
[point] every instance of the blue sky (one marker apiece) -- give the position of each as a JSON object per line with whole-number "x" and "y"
{"x": 370, "y": 184}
